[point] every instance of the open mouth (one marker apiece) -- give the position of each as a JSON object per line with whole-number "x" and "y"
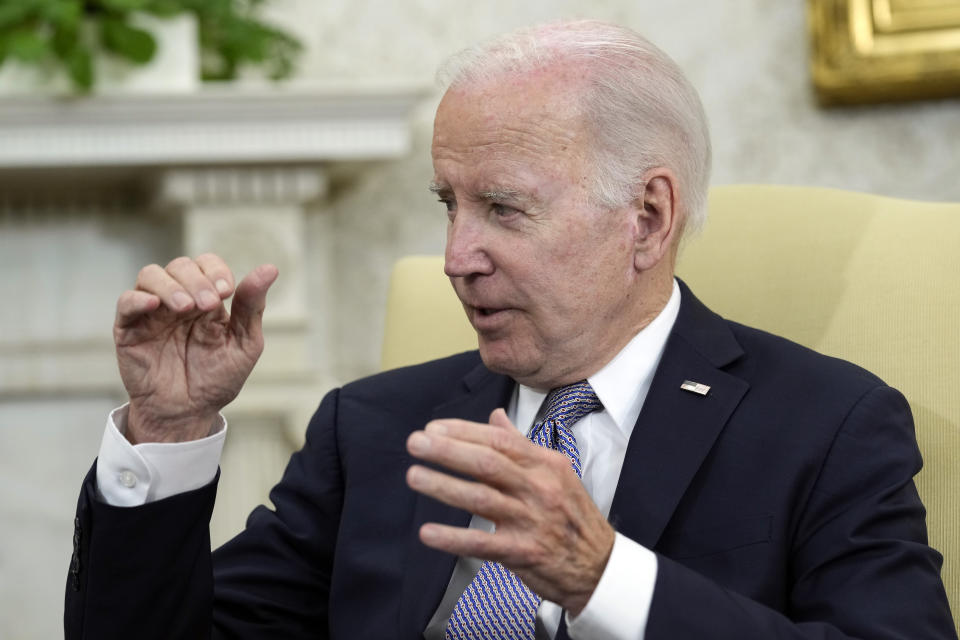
{"x": 487, "y": 315}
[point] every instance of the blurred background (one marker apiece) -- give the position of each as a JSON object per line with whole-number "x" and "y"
{"x": 323, "y": 174}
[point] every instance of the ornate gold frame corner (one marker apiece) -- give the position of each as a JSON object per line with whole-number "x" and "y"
{"x": 866, "y": 51}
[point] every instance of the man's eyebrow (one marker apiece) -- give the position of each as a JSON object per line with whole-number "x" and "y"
{"x": 492, "y": 194}
{"x": 502, "y": 193}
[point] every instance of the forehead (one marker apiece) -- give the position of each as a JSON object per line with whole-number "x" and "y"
{"x": 531, "y": 121}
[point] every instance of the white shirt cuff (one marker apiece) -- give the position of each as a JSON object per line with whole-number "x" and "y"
{"x": 620, "y": 605}
{"x": 131, "y": 475}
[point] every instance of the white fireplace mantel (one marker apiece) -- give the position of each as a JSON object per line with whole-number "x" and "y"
{"x": 238, "y": 169}
{"x": 237, "y": 165}
{"x": 215, "y": 126}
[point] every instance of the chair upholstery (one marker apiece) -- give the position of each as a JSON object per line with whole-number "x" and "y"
{"x": 869, "y": 279}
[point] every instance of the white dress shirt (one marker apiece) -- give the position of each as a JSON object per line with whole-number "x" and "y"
{"x": 130, "y": 475}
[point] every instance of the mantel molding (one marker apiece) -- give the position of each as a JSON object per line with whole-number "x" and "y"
{"x": 263, "y": 125}
{"x": 237, "y": 166}
{"x": 249, "y": 185}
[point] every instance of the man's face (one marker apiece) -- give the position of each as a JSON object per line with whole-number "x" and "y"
{"x": 544, "y": 275}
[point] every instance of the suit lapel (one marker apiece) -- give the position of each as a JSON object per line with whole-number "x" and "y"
{"x": 677, "y": 428}
{"x": 427, "y": 570}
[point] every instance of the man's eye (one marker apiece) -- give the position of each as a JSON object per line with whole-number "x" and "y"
{"x": 448, "y": 204}
{"x": 502, "y": 210}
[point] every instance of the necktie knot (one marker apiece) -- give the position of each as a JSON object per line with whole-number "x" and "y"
{"x": 570, "y": 403}
{"x": 565, "y": 405}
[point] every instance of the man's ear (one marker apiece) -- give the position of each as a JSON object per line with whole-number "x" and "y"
{"x": 658, "y": 219}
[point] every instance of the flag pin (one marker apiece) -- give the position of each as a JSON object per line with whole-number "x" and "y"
{"x": 695, "y": 387}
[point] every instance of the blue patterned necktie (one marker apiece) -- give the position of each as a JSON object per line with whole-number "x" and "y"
{"x": 496, "y": 605}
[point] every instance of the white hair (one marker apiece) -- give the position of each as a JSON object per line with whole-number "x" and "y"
{"x": 642, "y": 111}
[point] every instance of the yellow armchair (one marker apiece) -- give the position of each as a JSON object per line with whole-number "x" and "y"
{"x": 869, "y": 279}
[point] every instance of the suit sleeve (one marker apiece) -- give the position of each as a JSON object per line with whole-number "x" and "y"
{"x": 147, "y": 572}
{"x": 860, "y": 564}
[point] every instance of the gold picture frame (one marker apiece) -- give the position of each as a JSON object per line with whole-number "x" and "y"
{"x": 884, "y": 50}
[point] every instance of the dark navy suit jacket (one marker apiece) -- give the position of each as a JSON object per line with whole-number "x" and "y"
{"x": 781, "y": 505}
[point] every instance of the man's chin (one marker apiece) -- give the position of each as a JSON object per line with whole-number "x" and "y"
{"x": 506, "y": 359}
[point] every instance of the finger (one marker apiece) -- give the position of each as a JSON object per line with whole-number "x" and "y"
{"x": 478, "y": 460}
{"x": 188, "y": 274}
{"x": 474, "y": 497}
{"x": 156, "y": 280}
{"x": 133, "y": 304}
{"x": 502, "y": 437}
{"x": 217, "y": 272}
{"x": 250, "y": 300}
{"x": 498, "y": 418}
{"x": 467, "y": 542}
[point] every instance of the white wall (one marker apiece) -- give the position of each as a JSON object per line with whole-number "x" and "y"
{"x": 747, "y": 57}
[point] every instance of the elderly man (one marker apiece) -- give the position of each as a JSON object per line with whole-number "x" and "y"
{"x": 616, "y": 462}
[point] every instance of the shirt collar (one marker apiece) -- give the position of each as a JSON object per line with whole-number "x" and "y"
{"x": 622, "y": 384}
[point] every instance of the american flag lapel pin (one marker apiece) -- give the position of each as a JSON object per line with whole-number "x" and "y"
{"x": 695, "y": 387}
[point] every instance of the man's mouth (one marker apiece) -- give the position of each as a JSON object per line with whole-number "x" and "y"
{"x": 489, "y": 311}
{"x": 487, "y": 318}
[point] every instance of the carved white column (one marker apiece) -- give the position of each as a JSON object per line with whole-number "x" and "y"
{"x": 250, "y": 216}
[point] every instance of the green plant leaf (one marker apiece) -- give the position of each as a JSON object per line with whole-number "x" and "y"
{"x": 62, "y": 13}
{"x": 165, "y": 8}
{"x": 65, "y": 40}
{"x": 124, "y": 6}
{"x": 233, "y": 39}
{"x": 16, "y": 12}
{"x": 136, "y": 45}
{"x": 80, "y": 68}
{"x": 27, "y": 46}
{"x": 231, "y": 35}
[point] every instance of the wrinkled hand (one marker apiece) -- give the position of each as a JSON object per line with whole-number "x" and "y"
{"x": 181, "y": 356}
{"x": 548, "y": 530}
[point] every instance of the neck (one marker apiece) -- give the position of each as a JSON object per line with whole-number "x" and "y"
{"x": 650, "y": 297}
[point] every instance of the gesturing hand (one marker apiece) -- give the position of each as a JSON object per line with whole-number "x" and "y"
{"x": 548, "y": 530}
{"x": 181, "y": 356}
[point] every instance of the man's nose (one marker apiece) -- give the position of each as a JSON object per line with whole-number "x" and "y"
{"x": 466, "y": 253}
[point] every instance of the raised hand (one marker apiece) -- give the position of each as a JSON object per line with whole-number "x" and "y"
{"x": 548, "y": 530}
{"x": 181, "y": 356}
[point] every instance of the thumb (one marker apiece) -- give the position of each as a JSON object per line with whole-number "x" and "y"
{"x": 250, "y": 299}
{"x": 498, "y": 418}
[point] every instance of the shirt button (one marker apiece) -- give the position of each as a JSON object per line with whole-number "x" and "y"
{"x": 128, "y": 479}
